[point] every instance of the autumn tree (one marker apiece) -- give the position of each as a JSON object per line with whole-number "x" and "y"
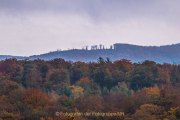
{"x": 36, "y": 103}
{"x": 148, "y": 112}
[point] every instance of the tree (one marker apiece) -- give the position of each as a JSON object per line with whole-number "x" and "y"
{"x": 8, "y": 86}
{"x": 144, "y": 75}
{"x": 36, "y": 103}
{"x": 148, "y": 112}
{"x": 78, "y": 70}
{"x": 58, "y": 80}
{"x": 121, "y": 88}
{"x": 90, "y": 88}
{"x": 90, "y": 104}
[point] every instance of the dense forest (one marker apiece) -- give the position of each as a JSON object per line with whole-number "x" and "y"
{"x": 37, "y": 89}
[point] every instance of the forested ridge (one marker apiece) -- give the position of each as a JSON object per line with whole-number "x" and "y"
{"x": 37, "y": 89}
{"x": 135, "y": 53}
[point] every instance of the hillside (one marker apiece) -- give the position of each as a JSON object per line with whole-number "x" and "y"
{"x": 3, "y": 57}
{"x": 135, "y": 53}
{"x": 161, "y": 54}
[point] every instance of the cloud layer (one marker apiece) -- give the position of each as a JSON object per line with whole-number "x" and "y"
{"x": 30, "y": 27}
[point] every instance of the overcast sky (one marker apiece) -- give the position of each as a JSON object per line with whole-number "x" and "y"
{"x": 29, "y": 27}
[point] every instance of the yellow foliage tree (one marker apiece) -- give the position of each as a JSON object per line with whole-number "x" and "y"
{"x": 153, "y": 92}
{"x": 148, "y": 112}
{"x": 77, "y": 91}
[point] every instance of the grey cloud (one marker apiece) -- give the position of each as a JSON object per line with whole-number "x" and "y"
{"x": 42, "y": 25}
{"x": 97, "y": 9}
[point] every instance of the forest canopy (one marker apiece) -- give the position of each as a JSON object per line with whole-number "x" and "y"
{"x": 37, "y": 89}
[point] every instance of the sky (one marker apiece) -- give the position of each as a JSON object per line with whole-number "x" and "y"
{"x": 32, "y": 27}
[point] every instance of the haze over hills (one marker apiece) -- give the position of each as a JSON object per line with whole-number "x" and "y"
{"x": 135, "y": 53}
{"x": 3, "y": 57}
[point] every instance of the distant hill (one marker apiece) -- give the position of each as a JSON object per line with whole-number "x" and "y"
{"x": 3, "y": 57}
{"x": 135, "y": 53}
